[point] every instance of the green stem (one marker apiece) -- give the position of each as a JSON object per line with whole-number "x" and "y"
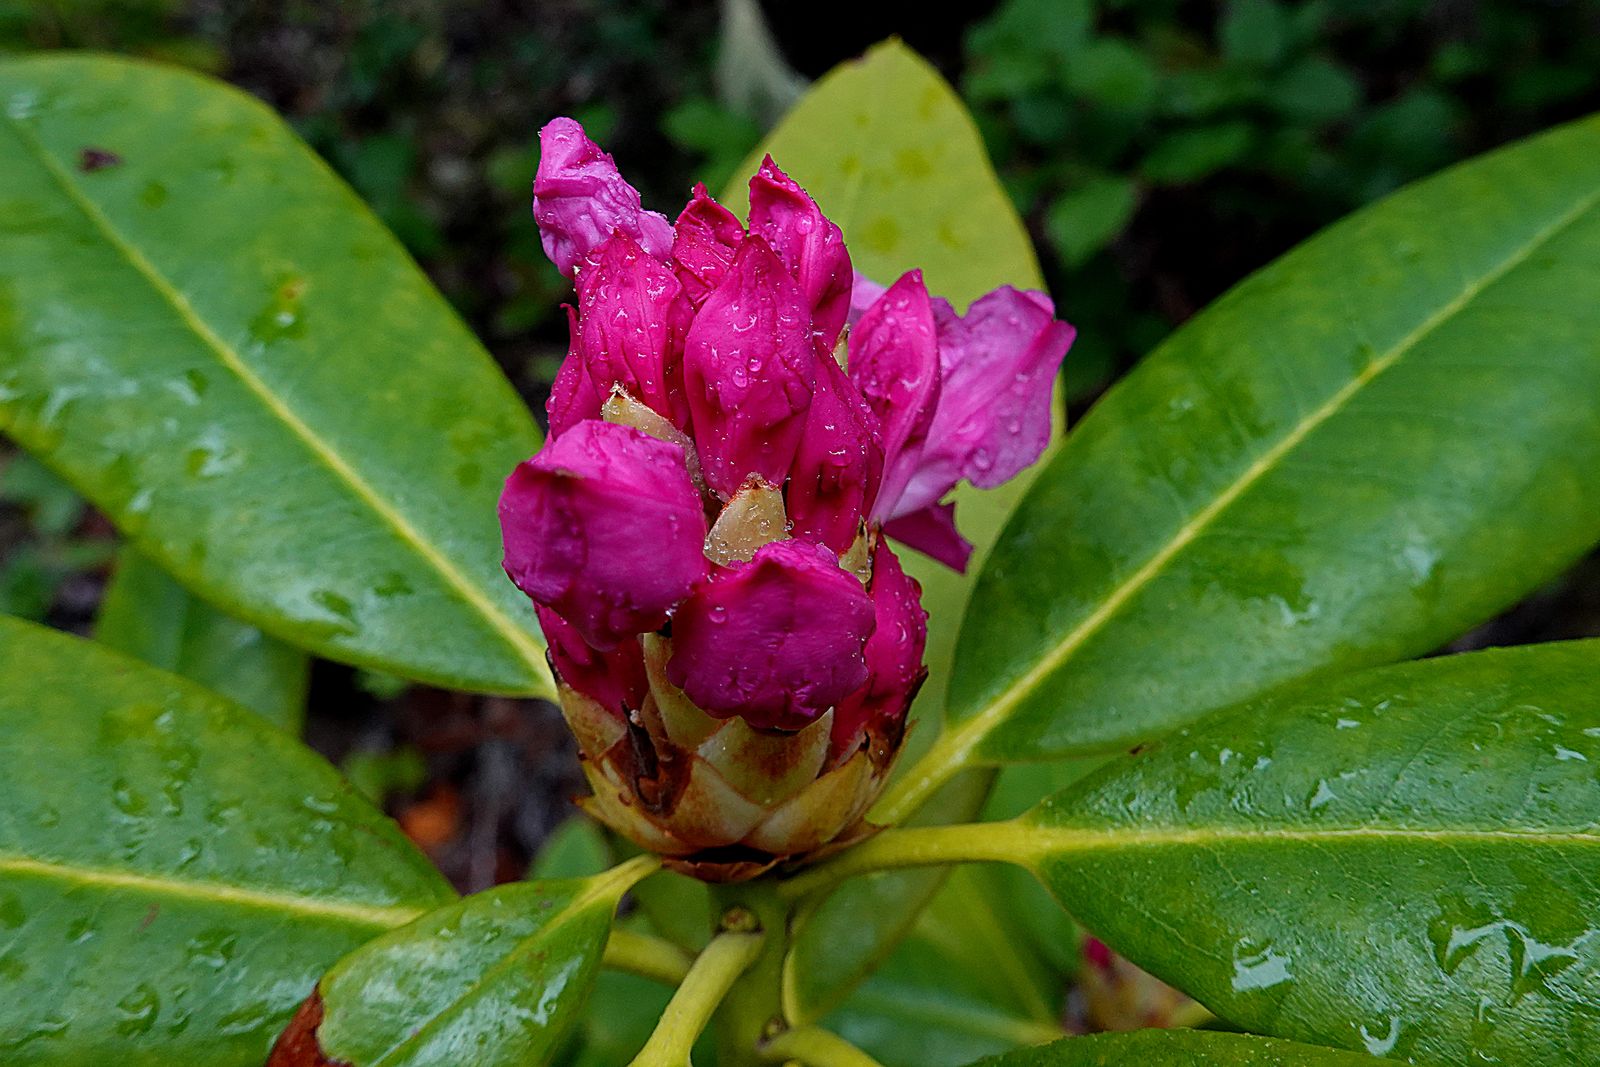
{"x": 650, "y": 957}
{"x": 814, "y": 1047}
{"x": 704, "y": 987}
{"x": 950, "y": 754}
{"x": 754, "y": 1007}
{"x": 922, "y": 846}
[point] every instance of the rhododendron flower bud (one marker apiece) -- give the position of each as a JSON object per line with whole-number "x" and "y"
{"x": 705, "y": 534}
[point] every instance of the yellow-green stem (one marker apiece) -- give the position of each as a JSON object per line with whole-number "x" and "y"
{"x": 922, "y": 846}
{"x": 754, "y": 1006}
{"x": 648, "y": 957}
{"x": 710, "y": 977}
{"x": 814, "y": 1047}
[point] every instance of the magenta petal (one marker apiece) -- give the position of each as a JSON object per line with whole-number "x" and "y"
{"x": 708, "y": 237}
{"x": 838, "y": 464}
{"x": 778, "y": 640}
{"x": 863, "y": 294}
{"x": 580, "y": 199}
{"x": 999, "y": 365}
{"x": 604, "y": 526}
{"x": 632, "y": 317}
{"x": 811, "y": 247}
{"x": 749, "y": 371}
{"x": 573, "y": 396}
{"x": 894, "y": 361}
{"x": 615, "y": 679}
{"x": 932, "y": 531}
{"x": 893, "y": 653}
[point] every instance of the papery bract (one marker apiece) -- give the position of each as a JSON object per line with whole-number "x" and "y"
{"x": 777, "y": 641}
{"x": 749, "y": 369}
{"x": 604, "y": 526}
{"x": 580, "y": 199}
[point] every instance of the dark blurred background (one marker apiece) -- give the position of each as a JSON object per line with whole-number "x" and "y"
{"x": 1158, "y": 149}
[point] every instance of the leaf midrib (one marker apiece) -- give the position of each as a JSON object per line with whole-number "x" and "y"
{"x": 520, "y": 641}
{"x": 1040, "y": 841}
{"x": 964, "y": 738}
{"x": 114, "y": 881}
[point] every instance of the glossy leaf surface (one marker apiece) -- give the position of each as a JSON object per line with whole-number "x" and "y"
{"x": 1402, "y": 861}
{"x": 1177, "y": 1048}
{"x": 858, "y": 925}
{"x": 151, "y": 617}
{"x": 175, "y": 874}
{"x": 211, "y": 337}
{"x": 1381, "y": 439}
{"x": 496, "y": 980}
{"x": 965, "y": 983}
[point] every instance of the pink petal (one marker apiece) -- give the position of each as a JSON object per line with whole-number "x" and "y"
{"x": 580, "y": 199}
{"x": 893, "y": 654}
{"x": 809, "y": 245}
{"x": 778, "y": 640}
{"x": 864, "y": 292}
{"x": 605, "y": 527}
{"x": 838, "y": 464}
{"x": 749, "y": 371}
{"x": 615, "y": 679}
{"x": 932, "y": 531}
{"x": 708, "y": 237}
{"x": 999, "y": 364}
{"x": 573, "y": 396}
{"x": 894, "y": 361}
{"x": 632, "y": 317}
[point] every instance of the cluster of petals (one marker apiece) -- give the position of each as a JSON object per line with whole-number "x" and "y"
{"x": 738, "y": 425}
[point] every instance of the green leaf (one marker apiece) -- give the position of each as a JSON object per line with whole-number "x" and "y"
{"x": 1177, "y": 1048}
{"x": 1402, "y": 860}
{"x": 1254, "y": 32}
{"x": 210, "y": 337}
{"x": 175, "y": 874}
{"x": 1380, "y": 440}
{"x": 1086, "y": 219}
{"x": 1193, "y": 154}
{"x": 151, "y": 617}
{"x": 851, "y": 933}
{"x": 963, "y": 984}
{"x": 888, "y": 150}
{"x": 502, "y": 974}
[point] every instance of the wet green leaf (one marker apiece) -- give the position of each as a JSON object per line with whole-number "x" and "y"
{"x": 1376, "y": 442}
{"x": 965, "y": 983}
{"x": 174, "y": 872}
{"x": 1177, "y": 1048}
{"x": 890, "y": 153}
{"x": 495, "y": 980}
{"x": 210, "y": 337}
{"x": 1401, "y": 861}
{"x": 148, "y": 615}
